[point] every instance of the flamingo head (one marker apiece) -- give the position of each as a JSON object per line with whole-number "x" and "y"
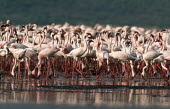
{"x": 128, "y": 42}
{"x": 57, "y": 49}
{"x": 64, "y": 49}
{"x": 8, "y": 22}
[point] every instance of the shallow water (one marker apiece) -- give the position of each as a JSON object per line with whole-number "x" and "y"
{"x": 88, "y": 93}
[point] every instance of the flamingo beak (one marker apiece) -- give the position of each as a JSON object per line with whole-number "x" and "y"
{"x": 57, "y": 49}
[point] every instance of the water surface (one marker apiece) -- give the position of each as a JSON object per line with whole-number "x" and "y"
{"x": 88, "y": 93}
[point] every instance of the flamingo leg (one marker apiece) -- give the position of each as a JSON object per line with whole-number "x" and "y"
{"x": 73, "y": 66}
{"x": 123, "y": 70}
{"x": 108, "y": 67}
{"x": 163, "y": 66}
{"x": 154, "y": 69}
{"x": 39, "y": 68}
{"x": 49, "y": 70}
{"x": 28, "y": 66}
{"x": 99, "y": 67}
{"x": 146, "y": 66}
{"x": 132, "y": 68}
{"x": 53, "y": 68}
{"x": 97, "y": 64}
{"x": 5, "y": 65}
{"x": 1, "y": 58}
{"x": 13, "y": 68}
{"x": 19, "y": 69}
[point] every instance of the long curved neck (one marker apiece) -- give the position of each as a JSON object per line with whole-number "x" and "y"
{"x": 124, "y": 34}
{"x": 52, "y": 41}
{"x": 26, "y": 34}
{"x": 34, "y": 38}
{"x": 133, "y": 41}
{"x": 85, "y": 43}
{"x": 85, "y": 48}
{"x": 109, "y": 44}
{"x": 147, "y": 47}
{"x": 43, "y": 37}
{"x": 123, "y": 46}
{"x": 130, "y": 48}
{"x": 167, "y": 43}
{"x": 95, "y": 48}
{"x": 45, "y": 32}
{"x": 25, "y": 38}
{"x": 7, "y": 50}
{"x": 101, "y": 46}
{"x": 66, "y": 40}
{"x": 119, "y": 40}
{"x": 8, "y": 34}
{"x": 1, "y": 35}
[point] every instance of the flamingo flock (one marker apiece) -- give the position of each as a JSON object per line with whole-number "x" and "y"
{"x": 32, "y": 51}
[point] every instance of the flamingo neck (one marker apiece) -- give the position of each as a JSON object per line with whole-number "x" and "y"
{"x": 167, "y": 43}
{"x": 147, "y": 47}
{"x": 34, "y": 38}
{"x": 43, "y": 37}
{"x": 26, "y": 34}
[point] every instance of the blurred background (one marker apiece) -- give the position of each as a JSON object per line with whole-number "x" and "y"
{"x": 144, "y": 13}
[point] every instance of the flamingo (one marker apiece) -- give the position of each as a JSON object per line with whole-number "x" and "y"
{"x": 18, "y": 55}
{"x": 148, "y": 57}
{"x": 84, "y": 44}
{"x": 125, "y": 55}
{"x": 101, "y": 55}
{"x": 80, "y": 52}
{"x": 45, "y": 53}
{"x": 161, "y": 59}
{"x": 30, "y": 55}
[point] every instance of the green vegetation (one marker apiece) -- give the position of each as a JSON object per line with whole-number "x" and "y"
{"x": 145, "y": 13}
